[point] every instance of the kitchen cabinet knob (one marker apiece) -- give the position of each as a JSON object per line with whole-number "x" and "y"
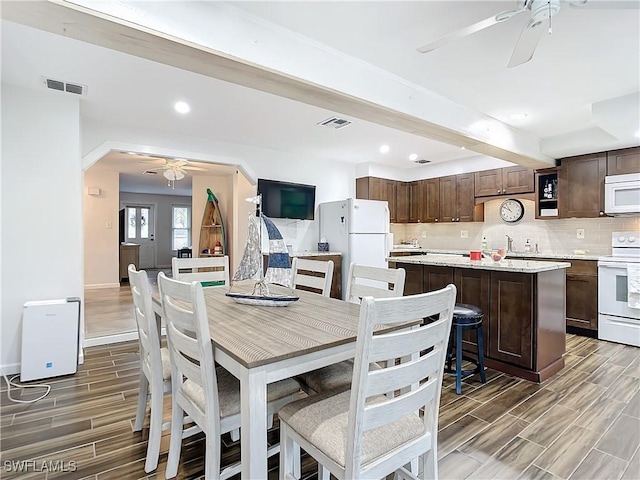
{"x": 498, "y": 190}
{"x": 602, "y": 214}
{"x": 436, "y": 219}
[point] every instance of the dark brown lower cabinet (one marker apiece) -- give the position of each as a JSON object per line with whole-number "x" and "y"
{"x": 511, "y": 319}
{"x": 473, "y": 289}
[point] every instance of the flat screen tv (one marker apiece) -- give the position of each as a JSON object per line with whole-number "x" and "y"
{"x": 287, "y": 200}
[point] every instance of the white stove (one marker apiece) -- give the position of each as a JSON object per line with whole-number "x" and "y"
{"x": 618, "y": 311}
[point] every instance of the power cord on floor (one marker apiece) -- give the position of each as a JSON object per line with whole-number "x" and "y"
{"x": 11, "y": 383}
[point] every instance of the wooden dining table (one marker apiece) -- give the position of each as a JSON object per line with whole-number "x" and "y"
{"x": 260, "y": 345}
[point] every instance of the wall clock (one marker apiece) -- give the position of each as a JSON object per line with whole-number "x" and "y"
{"x": 511, "y": 210}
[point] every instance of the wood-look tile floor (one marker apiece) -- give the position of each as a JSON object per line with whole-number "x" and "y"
{"x": 109, "y": 311}
{"x": 583, "y": 423}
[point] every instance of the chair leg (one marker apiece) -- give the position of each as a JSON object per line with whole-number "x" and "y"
{"x": 211, "y": 456}
{"x": 429, "y": 465}
{"x": 458, "y": 360}
{"x": 155, "y": 428}
{"x": 175, "y": 444}
{"x": 287, "y": 452}
{"x": 483, "y": 376}
{"x": 142, "y": 402}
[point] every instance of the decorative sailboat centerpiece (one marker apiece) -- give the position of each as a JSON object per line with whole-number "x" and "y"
{"x": 278, "y": 270}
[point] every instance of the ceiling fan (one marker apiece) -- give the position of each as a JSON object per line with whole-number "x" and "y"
{"x": 173, "y": 169}
{"x": 540, "y": 11}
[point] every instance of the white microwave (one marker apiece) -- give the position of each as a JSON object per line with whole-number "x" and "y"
{"x": 622, "y": 194}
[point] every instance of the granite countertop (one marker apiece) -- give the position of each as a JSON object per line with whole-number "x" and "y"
{"x": 313, "y": 254}
{"x": 505, "y": 265}
{"x": 560, "y": 256}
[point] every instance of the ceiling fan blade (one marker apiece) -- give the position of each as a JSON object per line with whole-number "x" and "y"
{"x": 527, "y": 43}
{"x": 463, "y": 32}
{"x": 605, "y": 5}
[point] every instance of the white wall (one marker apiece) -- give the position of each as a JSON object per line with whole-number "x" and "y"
{"x": 163, "y": 223}
{"x": 552, "y": 236}
{"x": 333, "y": 180}
{"x": 101, "y": 255}
{"x": 42, "y": 247}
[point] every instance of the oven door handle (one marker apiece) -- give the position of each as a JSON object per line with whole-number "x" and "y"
{"x": 618, "y": 265}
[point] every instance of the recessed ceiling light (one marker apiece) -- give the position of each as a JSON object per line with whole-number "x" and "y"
{"x": 384, "y": 149}
{"x": 413, "y": 157}
{"x": 182, "y": 107}
{"x": 462, "y": 148}
{"x": 518, "y": 116}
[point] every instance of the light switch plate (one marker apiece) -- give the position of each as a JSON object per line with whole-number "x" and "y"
{"x": 424, "y": 234}
{"x": 580, "y": 233}
{"x": 464, "y": 233}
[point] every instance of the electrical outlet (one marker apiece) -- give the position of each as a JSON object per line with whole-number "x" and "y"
{"x": 464, "y": 233}
{"x": 580, "y": 233}
{"x": 424, "y": 234}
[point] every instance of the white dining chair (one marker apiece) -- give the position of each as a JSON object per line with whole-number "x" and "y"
{"x": 209, "y": 395}
{"x": 312, "y": 275}
{"x": 362, "y": 281}
{"x": 155, "y": 369}
{"x": 212, "y": 271}
{"x": 361, "y": 432}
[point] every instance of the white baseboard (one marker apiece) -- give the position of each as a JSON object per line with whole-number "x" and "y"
{"x": 10, "y": 369}
{"x": 96, "y": 286}
{"x": 108, "y": 339}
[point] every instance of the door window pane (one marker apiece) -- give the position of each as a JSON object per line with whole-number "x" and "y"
{"x": 131, "y": 223}
{"x": 144, "y": 223}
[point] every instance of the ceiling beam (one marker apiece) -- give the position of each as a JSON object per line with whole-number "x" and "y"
{"x": 382, "y": 98}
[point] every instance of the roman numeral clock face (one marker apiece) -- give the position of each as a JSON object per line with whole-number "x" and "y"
{"x": 511, "y": 210}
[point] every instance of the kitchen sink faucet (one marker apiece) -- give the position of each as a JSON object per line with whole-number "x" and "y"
{"x": 509, "y": 244}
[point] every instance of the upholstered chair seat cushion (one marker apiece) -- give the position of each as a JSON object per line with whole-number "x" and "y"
{"x": 229, "y": 392}
{"x": 322, "y": 419}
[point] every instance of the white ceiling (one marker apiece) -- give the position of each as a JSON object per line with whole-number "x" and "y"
{"x": 592, "y": 58}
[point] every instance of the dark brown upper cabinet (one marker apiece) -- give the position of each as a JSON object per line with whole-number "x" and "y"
{"x": 624, "y": 161}
{"x": 504, "y": 181}
{"x": 581, "y": 186}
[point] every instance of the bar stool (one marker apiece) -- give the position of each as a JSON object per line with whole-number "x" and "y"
{"x": 465, "y": 317}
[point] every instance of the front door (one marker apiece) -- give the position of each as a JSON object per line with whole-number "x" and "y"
{"x": 140, "y": 229}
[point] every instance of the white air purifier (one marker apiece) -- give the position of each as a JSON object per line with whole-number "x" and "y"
{"x": 50, "y": 338}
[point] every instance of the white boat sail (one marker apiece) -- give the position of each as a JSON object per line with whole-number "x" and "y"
{"x": 250, "y": 268}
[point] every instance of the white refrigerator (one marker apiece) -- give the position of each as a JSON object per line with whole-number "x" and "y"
{"x": 359, "y": 229}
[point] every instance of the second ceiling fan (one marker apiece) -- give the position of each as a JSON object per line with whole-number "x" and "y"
{"x": 540, "y": 11}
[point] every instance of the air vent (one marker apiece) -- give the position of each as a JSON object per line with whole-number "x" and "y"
{"x": 74, "y": 88}
{"x": 335, "y": 123}
{"x": 422, "y": 161}
{"x": 149, "y": 172}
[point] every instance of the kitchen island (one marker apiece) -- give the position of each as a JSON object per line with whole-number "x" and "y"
{"x": 523, "y": 303}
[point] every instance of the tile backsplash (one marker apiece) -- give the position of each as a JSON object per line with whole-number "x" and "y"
{"x": 552, "y": 236}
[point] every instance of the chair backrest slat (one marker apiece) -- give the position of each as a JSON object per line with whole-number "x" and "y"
{"x": 364, "y": 281}
{"x": 205, "y": 269}
{"x": 379, "y": 414}
{"x": 416, "y": 382}
{"x": 302, "y": 271}
{"x": 398, "y": 376}
{"x": 407, "y": 341}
